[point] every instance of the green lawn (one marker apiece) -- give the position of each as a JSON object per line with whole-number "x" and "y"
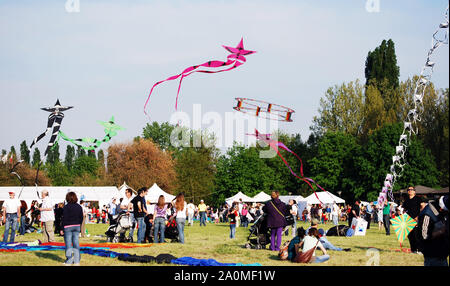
{"x": 213, "y": 242}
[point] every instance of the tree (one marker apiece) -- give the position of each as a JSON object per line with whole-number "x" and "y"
{"x": 376, "y": 158}
{"x": 53, "y": 154}
{"x": 12, "y": 153}
{"x": 91, "y": 153}
{"x": 141, "y": 163}
{"x": 36, "y": 158}
{"x": 85, "y": 164}
{"x": 25, "y": 152}
{"x": 341, "y": 110}
{"x": 59, "y": 174}
{"x": 160, "y": 134}
{"x": 101, "y": 158}
{"x": 196, "y": 173}
{"x": 333, "y": 168}
{"x": 70, "y": 157}
{"x": 80, "y": 152}
{"x": 382, "y": 64}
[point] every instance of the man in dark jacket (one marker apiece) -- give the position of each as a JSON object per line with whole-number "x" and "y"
{"x": 276, "y": 210}
{"x": 431, "y": 233}
{"x": 412, "y": 207}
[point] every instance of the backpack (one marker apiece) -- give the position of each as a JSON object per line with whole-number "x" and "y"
{"x": 283, "y": 254}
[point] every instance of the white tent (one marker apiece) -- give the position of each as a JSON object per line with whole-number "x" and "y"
{"x": 261, "y": 197}
{"x": 102, "y": 195}
{"x": 154, "y": 192}
{"x": 236, "y": 197}
{"x": 324, "y": 197}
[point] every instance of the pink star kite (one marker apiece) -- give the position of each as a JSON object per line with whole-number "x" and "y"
{"x": 234, "y": 60}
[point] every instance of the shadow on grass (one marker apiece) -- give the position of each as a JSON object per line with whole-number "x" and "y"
{"x": 49, "y": 256}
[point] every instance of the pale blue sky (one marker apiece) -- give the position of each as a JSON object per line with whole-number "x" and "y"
{"x": 104, "y": 59}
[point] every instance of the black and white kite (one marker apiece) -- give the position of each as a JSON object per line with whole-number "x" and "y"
{"x": 54, "y": 122}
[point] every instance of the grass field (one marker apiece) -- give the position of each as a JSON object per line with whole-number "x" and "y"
{"x": 213, "y": 242}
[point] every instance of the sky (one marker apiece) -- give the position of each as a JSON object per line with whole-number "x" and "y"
{"x": 104, "y": 58}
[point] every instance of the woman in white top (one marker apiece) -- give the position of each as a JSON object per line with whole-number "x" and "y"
{"x": 312, "y": 241}
{"x": 181, "y": 213}
{"x": 191, "y": 212}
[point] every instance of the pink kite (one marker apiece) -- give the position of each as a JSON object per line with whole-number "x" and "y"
{"x": 275, "y": 145}
{"x": 233, "y": 61}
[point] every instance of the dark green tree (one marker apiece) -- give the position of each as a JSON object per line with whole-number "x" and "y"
{"x": 85, "y": 164}
{"x": 80, "y": 152}
{"x": 382, "y": 64}
{"x": 25, "y": 152}
{"x": 376, "y": 158}
{"x": 101, "y": 157}
{"x": 160, "y": 134}
{"x": 59, "y": 174}
{"x": 70, "y": 157}
{"x": 36, "y": 158}
{"x": 53, "y": 154}
{"x": 91, "y": 153}
{"x": 333, "y": 168}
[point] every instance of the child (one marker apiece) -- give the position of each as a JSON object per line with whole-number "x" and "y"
{"x": 232, "y": 216}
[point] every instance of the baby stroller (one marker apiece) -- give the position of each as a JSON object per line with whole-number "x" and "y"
{"x": 259, "y": 235}
{"x": 171, "y": 231}
{"x": 119, "y": 226}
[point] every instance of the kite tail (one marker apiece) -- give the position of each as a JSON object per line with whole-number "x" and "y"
{"x": 302, "y": 177}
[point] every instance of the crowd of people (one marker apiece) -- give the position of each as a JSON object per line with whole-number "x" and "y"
{"x": 429, "y": 237}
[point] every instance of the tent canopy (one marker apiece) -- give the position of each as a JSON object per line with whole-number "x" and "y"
{"x": 261, "y": 197}
{"x": 102, "y": 195}
{"x": 237, "y": 197}
{"x": 325, "y": 198}
{"x": 154, "y": 192}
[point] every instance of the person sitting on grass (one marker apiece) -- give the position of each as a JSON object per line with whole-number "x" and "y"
{"x": 295, "y": 241}
{"x": 312, "y": 241}
{"x": 327, "y": 244}
{"x": 323, "y": 239}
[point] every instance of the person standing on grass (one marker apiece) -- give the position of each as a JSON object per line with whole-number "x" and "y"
{"x": 23, "y": 216}
{"x": 71, "y": 223}
{"x": 159, "y": 219}
{"x": 181, "y": 213}
{"x": 140, "y": 211}
{"x": 127, "y": 207}
{"x": 412, "y": 207}
{"x": 11, "y": 216}
{"x": 111, "y": 210}
{"x": 335, "y": 213}
{"x": 244, "y": 212}
{"x": 202, "y": 212}
{"x": 369, "y": 214}
{"x": 191, "y": 212}
{"x": 47, "y": 217}
{"x": 387, "y": 217}
{"x": 83, "y": 224}
{"x": 276, "y": 211}
{"x": 293, "y": 211}
{"x": 233, "y": 213}
{"x": 433, "y": 234}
